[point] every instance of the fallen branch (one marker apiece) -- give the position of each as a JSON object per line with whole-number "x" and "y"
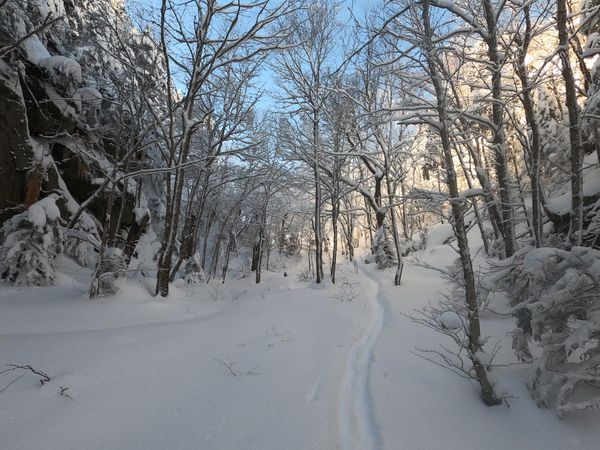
{"x": 43, "y": 377}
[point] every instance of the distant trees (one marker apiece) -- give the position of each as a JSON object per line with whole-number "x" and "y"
{"x": 304, "y": 71}
{"x": 197, "y": 53}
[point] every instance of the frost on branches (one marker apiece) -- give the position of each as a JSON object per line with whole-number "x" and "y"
{"x": 30, "y": 243}
{"x": 556, "y": 299}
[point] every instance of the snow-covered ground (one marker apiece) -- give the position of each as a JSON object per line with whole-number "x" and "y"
{"x": 281, "y": 365}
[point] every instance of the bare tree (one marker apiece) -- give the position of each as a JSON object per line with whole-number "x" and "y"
{"x": 427, "y": 52}
{"x": 484, "y": 19}
{"x": 195, "y": 52}
{"x": 303, "y": 71}
{"x": 523, "y": 41}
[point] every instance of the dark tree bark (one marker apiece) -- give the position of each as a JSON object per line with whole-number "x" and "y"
{"x": 499, "y": 138}
{"x": 576, "y": 226}
{"x": 534, "y": 128}
{"x": 135, "y": 233}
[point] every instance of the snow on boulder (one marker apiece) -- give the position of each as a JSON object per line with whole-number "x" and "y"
{"x": 64, "y": 72}
{"x": 41, "y": 153}
{"x": 562, "y": 204}
{"x": 54, "y": 8}
{"x": 35, "y": 51}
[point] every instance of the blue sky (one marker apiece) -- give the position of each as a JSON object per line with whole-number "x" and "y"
{"x": 266, "y": 80}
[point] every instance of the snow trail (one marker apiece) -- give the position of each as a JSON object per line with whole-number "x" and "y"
{"x": 357, "y": 427}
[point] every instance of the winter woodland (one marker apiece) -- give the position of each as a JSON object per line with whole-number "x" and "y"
{"x": 252, "y": 224}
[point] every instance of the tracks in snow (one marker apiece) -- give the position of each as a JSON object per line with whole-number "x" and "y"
{"x": 356, "y": 418}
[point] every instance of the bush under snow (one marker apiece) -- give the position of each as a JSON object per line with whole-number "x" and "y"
{"x": 30, "y": 243}
{"x": 555, "y": 295}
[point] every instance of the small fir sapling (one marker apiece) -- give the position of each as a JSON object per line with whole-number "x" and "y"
{"x": 383, "y": 248}
{"x": 30, "y": 243}
{"x": 555, "y": 296}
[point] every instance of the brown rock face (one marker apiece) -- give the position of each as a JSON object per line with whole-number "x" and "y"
{"x": 49, "y": 112}
{"x": 15, "y": 148}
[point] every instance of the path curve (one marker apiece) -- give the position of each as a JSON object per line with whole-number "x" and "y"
{"x": 357, "y": 427}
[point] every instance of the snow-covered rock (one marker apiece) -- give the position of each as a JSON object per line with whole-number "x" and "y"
{"x": 64, "y": 72}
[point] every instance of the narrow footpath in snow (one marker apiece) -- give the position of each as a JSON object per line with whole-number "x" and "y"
{"x": 358, "y": 430}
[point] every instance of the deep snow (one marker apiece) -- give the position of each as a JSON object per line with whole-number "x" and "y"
{"x": 280, "y": 365}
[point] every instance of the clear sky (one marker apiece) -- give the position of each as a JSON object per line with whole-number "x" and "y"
{"x": 356, "y": 8}
{"x": 349, "y": 8}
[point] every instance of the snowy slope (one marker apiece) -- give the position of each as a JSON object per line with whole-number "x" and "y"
{"x": 141, "y": 383}
{"x": 420, "y": 406}
{"x": 306, "y": 370}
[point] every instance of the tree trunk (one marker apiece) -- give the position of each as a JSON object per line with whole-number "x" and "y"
{"x": 334, "y": 224}
{"x": 255, "y": 254}
{"x": 499, "y": 139}
{"x": 470, "y": 185}
{"x": 474, "y": 330}
{"x": 534, "y": 127}
{"x": 95, "y": 286}
{"x": 207, "y": 228}
{"x": 230, "y": 247}
{"x": 576, "y": 226}
{"x": 317, "y": 218}
{"x": 135, "y": 233}
{"x": 369, "y": 223}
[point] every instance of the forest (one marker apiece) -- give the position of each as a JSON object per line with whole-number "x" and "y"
{"x": 293, "y": 224}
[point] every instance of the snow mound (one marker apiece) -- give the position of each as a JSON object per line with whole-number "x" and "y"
{"x": 63, "y": 71}
{"x": 451, "y": 320}
{"x": 35, "y": 51}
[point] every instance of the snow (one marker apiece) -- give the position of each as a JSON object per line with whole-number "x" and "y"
{"x": 468, "y": 193}
{"x": 54, "y": 7}
{"x": 279, "y": 365}
{"x": 50, "y": 208}
{"x": 357, "y": 427}
{"x": 61, "y": 68}
{"x": 139, "y": 213}
{"x": 421, "y": 406}
{"x": 591, "y": 186}
{"x": 37, "y": 216}
{"x": 450, "y": 320}
{"x": 35, "y": 51}
{"x": 439, "y": 234}
{"x": 143, "y": 373}
{"x": 41, "y": 152}
{"x": 43, "y": 211}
